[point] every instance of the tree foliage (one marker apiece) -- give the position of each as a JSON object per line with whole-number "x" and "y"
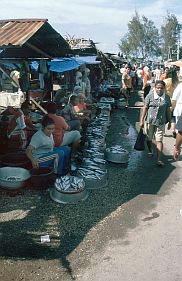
{"x": 142, "y": 38}
{"x": 169, "y": 36}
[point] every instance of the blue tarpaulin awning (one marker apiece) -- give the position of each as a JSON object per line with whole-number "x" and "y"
{"x": 87, "y": 59}
{"x": 63, "y": 64}
{"x": 67, "y": 64}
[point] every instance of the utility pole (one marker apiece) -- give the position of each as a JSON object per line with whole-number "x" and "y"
{"x": 179, "y": 27}
{"x": 169, "y": 54}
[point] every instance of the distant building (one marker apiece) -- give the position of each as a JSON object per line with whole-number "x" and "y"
{"x": 81, "y": 46}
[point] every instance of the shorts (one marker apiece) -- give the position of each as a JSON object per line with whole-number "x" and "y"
{"x": 179, "y": 124}
{"x": 154, "y": 132}
{"x": 70, "y": 137}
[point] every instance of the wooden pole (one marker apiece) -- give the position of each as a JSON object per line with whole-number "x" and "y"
{"x": 38, "y": 105}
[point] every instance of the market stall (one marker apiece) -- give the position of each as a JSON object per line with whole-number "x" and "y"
{"x": 21, "y": 42}
{"x": 25, "y": 40}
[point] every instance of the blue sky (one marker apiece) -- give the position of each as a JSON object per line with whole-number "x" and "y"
{"x": 103, "y": 21}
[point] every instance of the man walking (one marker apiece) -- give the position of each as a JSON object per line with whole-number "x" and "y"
{"x": 177, "y": 149}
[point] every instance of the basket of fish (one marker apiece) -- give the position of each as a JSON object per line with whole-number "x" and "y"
{"x": 69, "y": 190}
{"x": 116, "y": 154}
{"x": 13, "y": 177}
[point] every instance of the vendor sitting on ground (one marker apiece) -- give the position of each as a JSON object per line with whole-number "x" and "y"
{"x": 41, "y": 150}
{"x": 84, "y": 115}
{"x": 20, "y": 127}
{"x": 81, "y": 106}
{"x": 77, "y": 90}
{"x": 60, "y": 97}
{"x": 62, "y": 134}
{"x": 70, "y": 115}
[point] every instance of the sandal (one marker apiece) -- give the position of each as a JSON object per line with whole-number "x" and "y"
{"x": 150, "y": 153}
{"x": 160, "y": 163}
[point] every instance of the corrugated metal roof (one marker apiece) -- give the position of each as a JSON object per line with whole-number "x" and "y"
{"x": 30, "y": 38}
{"x": 17, "y": 32}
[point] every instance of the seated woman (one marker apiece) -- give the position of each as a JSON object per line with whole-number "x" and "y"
{"x": 62, "y": 134}
{"x": 81, "y": 111}
{"x": 69, "y": 114}
{"x": 20, "y": 128}
{"x": 81, "y": 106}
{"x": 41, "y": 150}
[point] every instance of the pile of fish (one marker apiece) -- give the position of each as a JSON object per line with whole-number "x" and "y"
{"x": 116, "y": 149}
{"x": 69, "y": 184}
{"x": 93, "y": 172}
{"x": 93, "y": 152}
{"x": 93, "y": 161}
{"x": 94, "y": 177}
{"x": 104, "y": 106}
{"x": 96, "y": 133}
{"x": 93, "y": 167}
{"x": 108, "y": 100}
{"x": 12, "y": 178}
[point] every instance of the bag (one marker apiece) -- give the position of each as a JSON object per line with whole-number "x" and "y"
{"x": 140, "y": 141}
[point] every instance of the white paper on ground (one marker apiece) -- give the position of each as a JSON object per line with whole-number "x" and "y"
{"x": 45, "y": 238}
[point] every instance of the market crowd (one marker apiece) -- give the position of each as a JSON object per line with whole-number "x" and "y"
{"x": 59, "y": 135}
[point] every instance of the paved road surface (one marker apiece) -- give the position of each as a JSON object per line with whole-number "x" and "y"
{"x": 131, "y": 230}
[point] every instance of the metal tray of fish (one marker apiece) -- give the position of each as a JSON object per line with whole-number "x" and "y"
{"x": 13, "y": 177}
{"x": 116, "y": 154}
{"x": 66, "y": 198}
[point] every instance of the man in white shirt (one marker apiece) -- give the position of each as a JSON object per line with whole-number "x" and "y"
{"x": 157, "y": 73}
{"x": 177, "y": 149}
{"x": 177, "y": 101}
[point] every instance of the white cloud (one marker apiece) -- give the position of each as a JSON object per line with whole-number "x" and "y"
{"x": 101, "y": 20}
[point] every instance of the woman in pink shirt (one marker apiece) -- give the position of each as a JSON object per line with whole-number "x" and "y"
{"x": 62, "y": 134}
{"x": 81, "y": 106}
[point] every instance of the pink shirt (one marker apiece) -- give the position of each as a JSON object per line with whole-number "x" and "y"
{"x": 80, "y": 107}
{"x": 60, "y": 127}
